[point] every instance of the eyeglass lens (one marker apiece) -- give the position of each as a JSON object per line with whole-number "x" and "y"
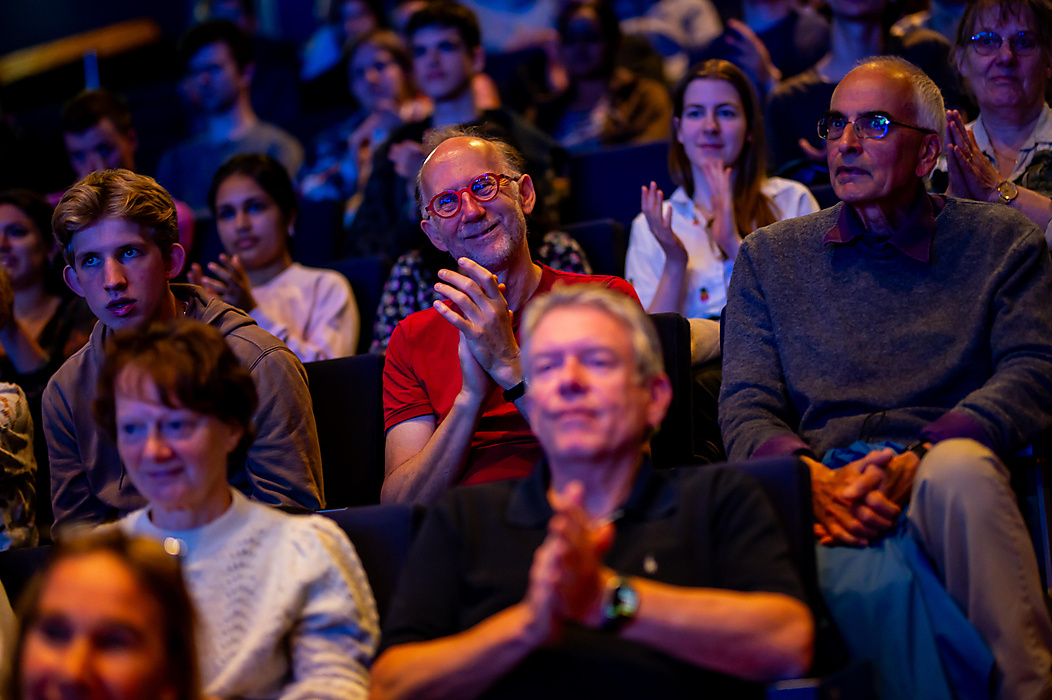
{"x": 483, "y": 189}
{"x": 873, "y": 126}
{"x": 989, "y": 43}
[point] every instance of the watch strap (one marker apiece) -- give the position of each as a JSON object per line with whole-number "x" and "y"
{"x": 512, "y": 394}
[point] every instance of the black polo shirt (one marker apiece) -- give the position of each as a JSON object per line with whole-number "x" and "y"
{"x": 701, "y": 527}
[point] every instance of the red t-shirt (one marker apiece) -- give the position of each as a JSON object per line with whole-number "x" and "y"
{"x": 422, "y": 377}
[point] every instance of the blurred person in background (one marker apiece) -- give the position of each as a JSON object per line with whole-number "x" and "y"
{"x": 603, "y": 104}
{"x": 381, "y": 80}
{"x": 312, "y": 311}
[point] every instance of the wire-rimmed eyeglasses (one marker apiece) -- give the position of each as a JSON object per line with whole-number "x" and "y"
{"x": 873, "y": 125}
{"x": 989, "y": 43}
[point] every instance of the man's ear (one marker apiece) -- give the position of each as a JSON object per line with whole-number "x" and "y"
{"x": 428, "y": 225}
{"x": 247, "y": 74}
{"x": 478, "y": 59}
{"x": 928, "y": 158}
{"x": 660, "y": 389}
{"x": 174, "y": 264}
{"x": 70, "y": 277}
{"x": 528, "y": 193}
{"x": 133, "y": 138}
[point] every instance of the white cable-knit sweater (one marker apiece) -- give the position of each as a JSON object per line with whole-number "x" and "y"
{"x": 284, "y": 607}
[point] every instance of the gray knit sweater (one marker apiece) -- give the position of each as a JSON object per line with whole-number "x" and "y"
{"x": 837, "y": 343}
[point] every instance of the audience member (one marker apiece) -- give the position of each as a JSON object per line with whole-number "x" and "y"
{"x": 117, "y": 231}
{"x": 453, "y": 381}
{"x": 276, "y": 66}
{"x": 918, "y": 324}
{"x": 42, "y": 323}
{"x": 340, "y": 160}
{"x": 98, "y": 133}
{"x": 219, "y": 69}
{"x": 18, "y": 474}
{"x": 681, "y": 251}
{"x": 858, "y": 31}
{"x": 604, "y": 104}
{"x": 512, "y": 25}
{"x": 312, "y": 311}
{"x": 108, "y": 618}
{"x": 558, "y": 585}
{"x": 1004, "y": 52}
{"x": 795, "y": 36}
{"x": 942, "y": 16}
{"x": 286, "y": 609}
{"x": 344, "y": 23}
{"x": 444, "y": 38}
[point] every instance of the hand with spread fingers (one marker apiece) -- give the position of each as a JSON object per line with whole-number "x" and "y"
{"x": 230, "y": 282}
{"x": 721, "y": 188}
{"x": 480, "y": 312}
{"x": 972, "y": 175}
{"x": 661, "y": 224}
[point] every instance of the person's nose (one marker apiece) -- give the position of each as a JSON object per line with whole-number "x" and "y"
{"x": 470, "y": 208}
{"x": 5, "y": 241}
{"x": 242, "y": 220}
{"x": 95, "y": 162}
{"x": 570, "y": 377}
{"x": 73, "y": 667}
{"x": 113, "y": 275}
{"x": 849, "y": 140}
{"x": 711, "y": 124}
{"x": 156, "y": 449}
{"x": 1006, "y": 54}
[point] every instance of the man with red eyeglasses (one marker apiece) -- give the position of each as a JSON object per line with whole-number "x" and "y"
{"x": 453, "y": 381}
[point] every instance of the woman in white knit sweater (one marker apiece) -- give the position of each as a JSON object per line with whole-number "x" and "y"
{"x": 285, "y": 607}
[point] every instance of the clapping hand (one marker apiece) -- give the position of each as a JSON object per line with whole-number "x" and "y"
{"x": 230, "y": 282}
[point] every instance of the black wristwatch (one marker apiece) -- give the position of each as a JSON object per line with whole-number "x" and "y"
{"x": 918, "y": 449}
{"x": 512, "y": 394}
{"x": 620, "y": 604}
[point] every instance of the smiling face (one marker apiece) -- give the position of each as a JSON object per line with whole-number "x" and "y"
{"x": 101, "y": 147}
{"x": 492, "y": 233}
{"x": 176, "y": 457}
{"x": 23, "y": 249}
{"x": 122, "y": 274}
{"x": 376, "y": 78}
{"x": 97, "y": 634}
{"x": 1005, "y": 80}
{"x": 250, "y": 223}
{"x": 585, "y": 399}
{"x": 883, "y": 172}
{"x": 442, "y": 64}
{"x": 713, "y": 124}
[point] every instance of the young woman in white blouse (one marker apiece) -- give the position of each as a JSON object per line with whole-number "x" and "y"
{"x": 681, "y": 250}
{"x": 313, "y": 311}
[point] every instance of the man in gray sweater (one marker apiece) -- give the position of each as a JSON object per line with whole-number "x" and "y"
{"x": 919, "y": 328}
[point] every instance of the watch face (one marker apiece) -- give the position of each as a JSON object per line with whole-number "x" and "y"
{"x": 1008, "y": 190}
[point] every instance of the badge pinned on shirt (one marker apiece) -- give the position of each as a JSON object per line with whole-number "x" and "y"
{"x": 703, "y": 295}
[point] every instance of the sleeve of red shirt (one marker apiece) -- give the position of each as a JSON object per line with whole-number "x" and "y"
{"x": 404, "y": 397}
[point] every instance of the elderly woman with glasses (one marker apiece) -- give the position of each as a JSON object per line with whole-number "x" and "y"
{"x": 1004, "y": 53}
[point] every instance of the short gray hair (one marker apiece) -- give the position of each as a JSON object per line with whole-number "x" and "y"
{"x": 928, "y": 105}
{"x": 513, "y": 164}
{"x": 622, "y": 308}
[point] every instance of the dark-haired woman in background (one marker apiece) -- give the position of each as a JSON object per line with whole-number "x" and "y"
{"x": 313, "y": 311}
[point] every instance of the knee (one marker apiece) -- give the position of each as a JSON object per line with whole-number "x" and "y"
{"x": 960, "y": 469}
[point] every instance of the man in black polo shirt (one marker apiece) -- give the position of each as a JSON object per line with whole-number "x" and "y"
{"x": 596, "y": 575}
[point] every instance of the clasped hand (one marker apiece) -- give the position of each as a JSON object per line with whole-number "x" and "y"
{"x": 567, "y": 577}
{"x": 230, "y": 283}
{"x": 481, "y": 314}
{"x": 859, "y": 502}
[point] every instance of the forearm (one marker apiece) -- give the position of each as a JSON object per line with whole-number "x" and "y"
{"x": 461, "y": 666}
{"x": 25, "y": 353}
{"x": 424, "y": 476}
{"x": 671, "y": 290}
{"x": 1036, "y": 207}
{"x": 756, "y": 636}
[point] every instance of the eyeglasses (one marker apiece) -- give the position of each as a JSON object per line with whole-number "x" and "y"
{"x": 989, "y": 43}
{"x": 483, "y": 188}
{"x": 867, "y": 126}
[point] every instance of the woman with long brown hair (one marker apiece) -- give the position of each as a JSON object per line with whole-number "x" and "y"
{"x": 681, "y": 250}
